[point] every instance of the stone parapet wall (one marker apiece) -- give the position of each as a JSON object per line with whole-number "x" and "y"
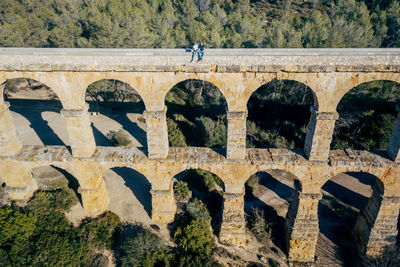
{"x": 218, "y": 60}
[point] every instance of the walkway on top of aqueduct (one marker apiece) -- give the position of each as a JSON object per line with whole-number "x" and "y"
{"x": 330, "y": 73}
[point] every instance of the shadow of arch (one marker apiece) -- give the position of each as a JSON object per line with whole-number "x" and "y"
{"x": 51, "y": 177}
{"x": 101, "y": 139}
{"x": 137, "y": 184}
{"x": 347, "y": 199}
{"x": 207, "y": 187}
{"x": 196, "y": 114}
{"x": 278, "y": 114}
{"x": 273, "y": 193}
{"x": 28, "y": 98}
{"x": 115, "y": 105}
{"x": 367, "y": 114}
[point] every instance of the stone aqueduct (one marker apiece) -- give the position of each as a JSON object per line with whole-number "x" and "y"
{"x": 237, "y": 73}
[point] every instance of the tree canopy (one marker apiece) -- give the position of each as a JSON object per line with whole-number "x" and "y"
{"x": 221, "y": 23}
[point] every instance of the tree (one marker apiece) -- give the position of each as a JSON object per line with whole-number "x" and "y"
{"x": 196, "y": 238}
{"x": 16, "y": 229}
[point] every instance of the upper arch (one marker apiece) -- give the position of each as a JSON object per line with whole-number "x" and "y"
{"x": 310, "y": 89}
{"x": 377, "y": 173}
{"x": 182, "y": 80}
{"x": 298, "y": 183}
{"x": 2, "y": 88}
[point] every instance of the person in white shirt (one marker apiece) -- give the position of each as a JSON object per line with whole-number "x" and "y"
{"x": 195, "y": 49}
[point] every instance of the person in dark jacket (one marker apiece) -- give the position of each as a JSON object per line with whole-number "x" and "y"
{"x": 202, "y": 49}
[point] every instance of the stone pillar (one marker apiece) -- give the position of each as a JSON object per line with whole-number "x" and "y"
{"x": 376, "y": 226}
{"x": 157, "y": 133}
{"x": 94, "y": 200}
{"x": 9, "y": 141}
{"x": 22, "y": 188}
{"x": 92, "y": 188}
{"x": 233, "y": 227}
{"x": 319, "y": 134}
{"x": 302, "y": 227}
{"x": 236, "y": 135}
{"x": 163, "y": 205}
{"x": 393, "y": 148}
{"x": 79, "y": 131}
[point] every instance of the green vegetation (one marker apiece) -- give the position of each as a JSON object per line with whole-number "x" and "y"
{"x": 114, "y": 93}
{"x": 196, "y": 209}
{"x": 119, "y": 138}
{"x": 278, "y": 115}
{"x": 259, "y": 225}
{"x": 39, "y": 234}
{"x": 196, "y": 112}
{"x": 222, "y": 23}
{"x": 203, "y": 180}
{"x": 196, "y": 242}
{"x": 192, "y": 235}
{"x": 207, "y": 190}
{"x": 367, "y": 115}
{"x": 137, "y": 247}
{"x": 278, "y": 112}
{"x": 102, "y": 231}
{"x": 182, "y": 191}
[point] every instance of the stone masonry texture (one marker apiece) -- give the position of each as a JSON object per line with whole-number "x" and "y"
{"x": 330, "y": 73}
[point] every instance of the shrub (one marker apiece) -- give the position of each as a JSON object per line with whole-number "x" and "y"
{"x": 196, "y": 209}
{"x": 196, "y": 238}
{"x": 60, "y": 200}
{"x": 175, "y": 135}
{"x": 390, "y": 257}
{"x": 260, "y": 227}
{"x": 160, "y": 257}
{"x": 16, "y": 228}
{"x": 182, "y": 191}
{"x": 213, "y": 132}
{"x": 98, "y": 260}
{"x": 59, "y": 244}
{"x": 120, "y": 138}
{"x": 196, "y": 261}
{"x": 135, "y": 247}
{"x": 101, "y": 231}
{"x": 252, "y": 184}
{"x": 45, "y": 237}
{"x": 203, "y": 180}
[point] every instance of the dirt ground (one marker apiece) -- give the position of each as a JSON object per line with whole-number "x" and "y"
{"x": 38, "y": 120}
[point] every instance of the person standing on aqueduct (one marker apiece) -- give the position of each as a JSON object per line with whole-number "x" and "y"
{"x": 195, "y": 49}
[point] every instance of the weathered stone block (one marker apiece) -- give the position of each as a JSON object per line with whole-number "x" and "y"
{"x": 157, "y": 133}
{"x": 163, "y": 205}
{"x": 319, "y": 134}
{"x": 79, "y": 132}
{"x": 9, "y": 141}
{"x": 236, "y": 135}
{"x": 302, "y": 227}
{"x": 233, "y": 227}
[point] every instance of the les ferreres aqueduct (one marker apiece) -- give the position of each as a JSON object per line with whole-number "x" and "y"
{"x": 237, "y": 73}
